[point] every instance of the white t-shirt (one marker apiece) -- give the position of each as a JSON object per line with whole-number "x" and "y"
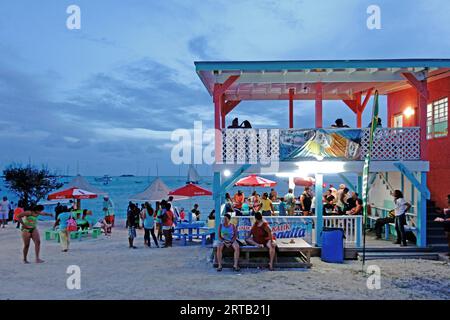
{"x": 400, "y": 206}
{"x": 4, "y": 207}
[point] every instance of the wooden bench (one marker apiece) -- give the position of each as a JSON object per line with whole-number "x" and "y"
{"x": 283, "y": 246}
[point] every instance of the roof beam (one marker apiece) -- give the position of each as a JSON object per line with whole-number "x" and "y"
{"x": 229, "y": 106}
{"x": 314, "y": 77}
{"x": 366, "y": 99}
{"x": 415, "y": 83}
{"x": 227, "y": 84}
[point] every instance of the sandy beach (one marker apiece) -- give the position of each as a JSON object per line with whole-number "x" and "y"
{"x": 110, "y": 270}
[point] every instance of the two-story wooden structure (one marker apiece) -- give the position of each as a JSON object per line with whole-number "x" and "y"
{"x": 413, "y": 146}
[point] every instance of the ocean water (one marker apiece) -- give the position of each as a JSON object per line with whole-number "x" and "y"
{"x": 121, "y": 188}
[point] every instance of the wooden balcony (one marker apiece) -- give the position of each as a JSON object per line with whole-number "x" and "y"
{"x": 262, "y": 146}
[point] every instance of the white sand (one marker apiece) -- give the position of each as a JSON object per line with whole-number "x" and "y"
{"x": 109, "y": 270}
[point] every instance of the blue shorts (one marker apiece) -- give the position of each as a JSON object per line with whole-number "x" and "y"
{"x": 132, "y": 232}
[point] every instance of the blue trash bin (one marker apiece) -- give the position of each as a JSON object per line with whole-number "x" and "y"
{"x": 332, "y": 245}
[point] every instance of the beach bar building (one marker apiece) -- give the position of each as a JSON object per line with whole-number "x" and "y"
{"x": 411, "y": 154}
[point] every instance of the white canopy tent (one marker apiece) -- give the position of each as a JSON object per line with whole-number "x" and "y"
{"x": 156, "y": 191}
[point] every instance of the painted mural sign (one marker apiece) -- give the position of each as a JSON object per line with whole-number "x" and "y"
{"x": 342, "y": 144}
{"x": 282, "y": 227}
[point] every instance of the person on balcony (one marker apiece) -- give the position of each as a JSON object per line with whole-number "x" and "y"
{"x": 379, "y": 124}
{"x": 261, "y": 236}
{"x": 339, "y": 123}
{"x": 401, "y": 207}
{"x": 234, "y": 124}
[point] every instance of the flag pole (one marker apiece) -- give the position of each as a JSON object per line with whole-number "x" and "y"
{"x": 366, "y": 172}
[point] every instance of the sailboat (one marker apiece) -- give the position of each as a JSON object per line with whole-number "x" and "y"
{"x": 192, "y": 176}
{"x": 105, "y": 179}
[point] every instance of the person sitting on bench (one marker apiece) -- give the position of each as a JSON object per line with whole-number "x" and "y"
{"x": 227, "y": 238}
{"x": 261, "y": 236}
{"x": 382, "y": 222}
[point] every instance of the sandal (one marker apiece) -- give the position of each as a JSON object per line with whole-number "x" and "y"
{"x": 237, "y": 269}
{"x": 219, "y": 269}
{"x": 271, "y": 268}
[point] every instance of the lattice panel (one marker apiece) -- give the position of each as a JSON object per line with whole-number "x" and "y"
{"x": 393, "y": 144}
{"x": 263, "y": 145}
{"x": 250, "y": 145}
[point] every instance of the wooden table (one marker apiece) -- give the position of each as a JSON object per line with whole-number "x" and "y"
{"x": 296, "y": 245}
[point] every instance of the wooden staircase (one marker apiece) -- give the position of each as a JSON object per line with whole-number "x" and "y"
{"x": 435, "y": 232}
{"x": 399, "y": 253}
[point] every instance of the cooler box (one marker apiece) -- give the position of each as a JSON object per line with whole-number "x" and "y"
{"x": 333, "y": 245}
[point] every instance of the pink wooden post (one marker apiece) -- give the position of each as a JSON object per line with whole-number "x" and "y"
{"x": 422, "y": 92}
{"x": 291, "y": 108}
{"x": 319, "y": 105}
{"x": 217, "y": 98}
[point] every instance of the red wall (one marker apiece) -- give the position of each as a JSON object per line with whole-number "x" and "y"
{"x": 438, "y": 148}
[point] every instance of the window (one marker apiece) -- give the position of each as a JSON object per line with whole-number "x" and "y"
{"x": 437, "y": 118}
{"x": 398, "y": 121}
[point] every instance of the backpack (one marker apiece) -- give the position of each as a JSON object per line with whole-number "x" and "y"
{"x": 72, "y": 225}
{"x": 164, "y": 217}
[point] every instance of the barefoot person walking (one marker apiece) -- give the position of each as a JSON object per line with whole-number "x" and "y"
{"x": 28, "y": 220}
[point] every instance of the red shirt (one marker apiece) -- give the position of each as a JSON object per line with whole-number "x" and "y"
{"x": 261, "y": 234}
{"x": 17, "y": 211}
{"x": 169, "y": 219}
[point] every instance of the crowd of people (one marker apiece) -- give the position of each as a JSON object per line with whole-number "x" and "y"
{"x": 158, "y": 223}
{"x": 335, "y": 202}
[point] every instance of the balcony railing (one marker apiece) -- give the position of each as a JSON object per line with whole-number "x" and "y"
{"x": 268, "y": 145}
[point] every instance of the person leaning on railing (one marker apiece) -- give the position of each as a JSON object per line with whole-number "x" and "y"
{"x": 445, "y": 219}
{"x": 401, "y": 207}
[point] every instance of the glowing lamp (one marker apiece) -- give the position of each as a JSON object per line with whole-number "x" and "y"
{"x": 227, "y": 173}
{"x": 408, "y": 112}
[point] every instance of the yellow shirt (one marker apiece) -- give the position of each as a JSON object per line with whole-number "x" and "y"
{"x": 266, "y": 205}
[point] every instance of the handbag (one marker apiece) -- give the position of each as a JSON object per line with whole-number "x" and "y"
{"x": 72, "y": 225}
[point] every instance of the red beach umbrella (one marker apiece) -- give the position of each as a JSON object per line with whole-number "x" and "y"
{"x": 190, "y": 190}
{"x": 255, "y": 181}
{"x": 72, "y": 193}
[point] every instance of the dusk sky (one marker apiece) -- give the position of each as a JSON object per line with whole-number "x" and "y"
{"x": 109, "y": 95}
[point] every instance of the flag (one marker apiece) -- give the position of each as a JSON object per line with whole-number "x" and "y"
{"x": 373, "y": 127}
{"x": 366, "y": 168}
